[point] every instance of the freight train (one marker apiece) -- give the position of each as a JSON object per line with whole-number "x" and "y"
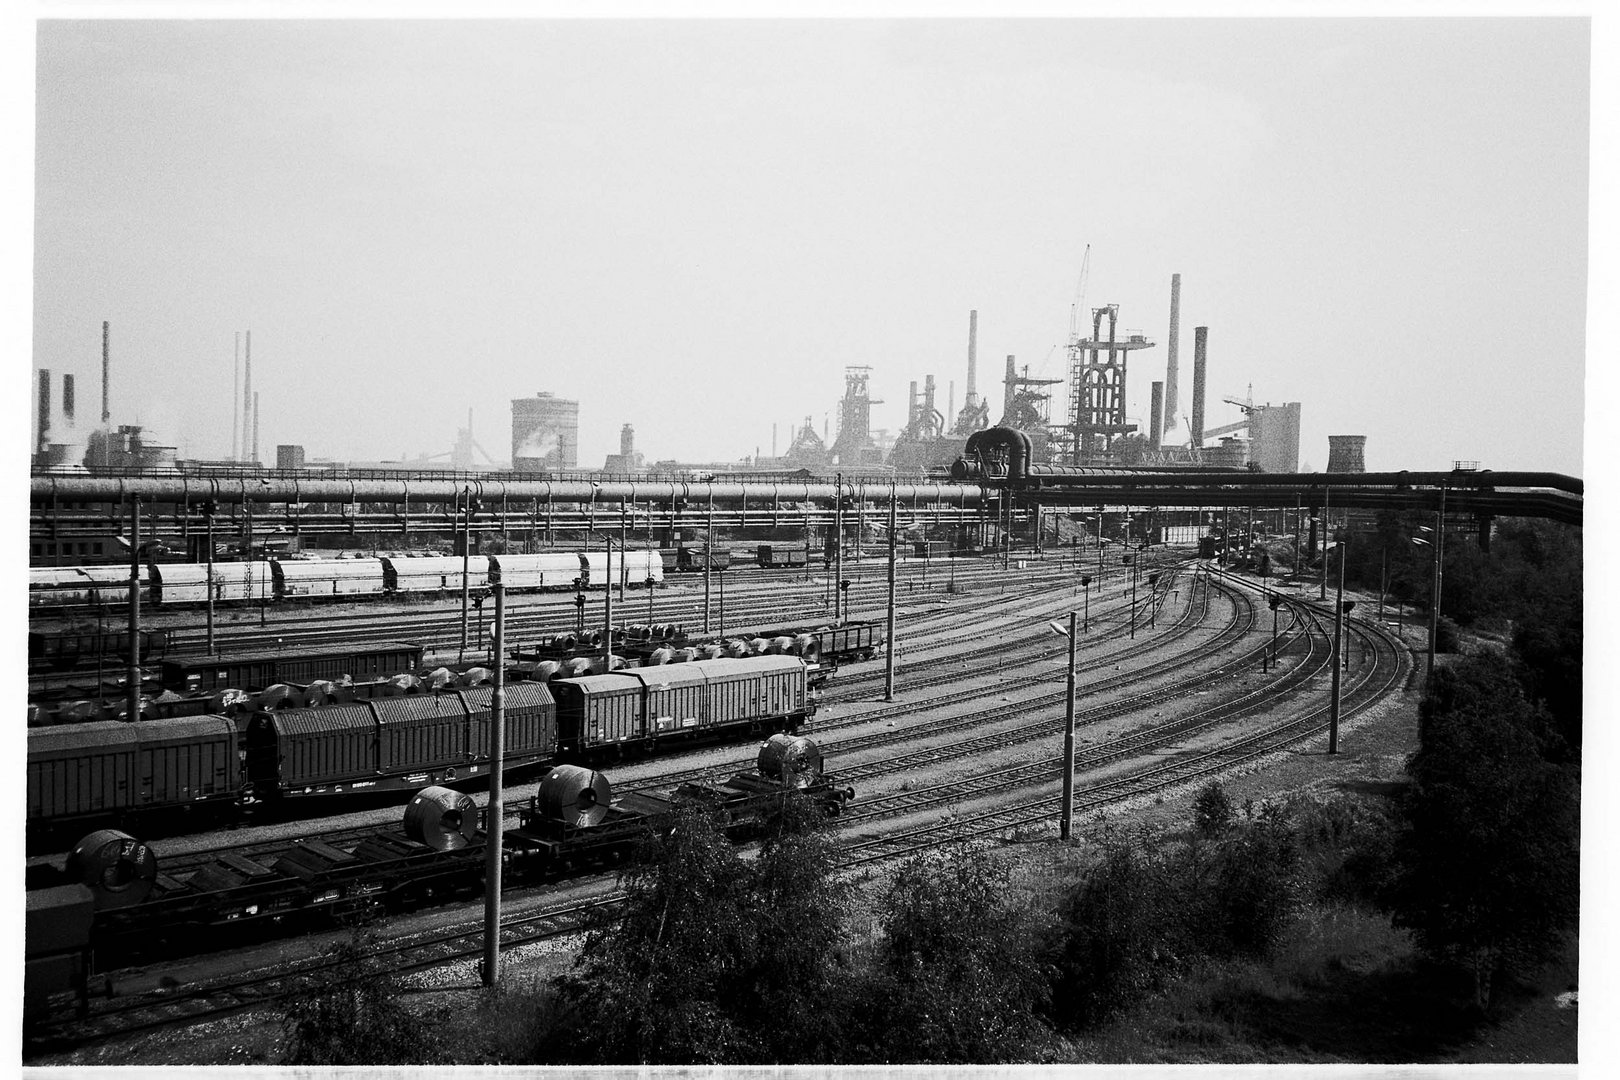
{"x": 281, "y": 580}
{"x": 112, "y": 901}
{"x": 118, "y": 770}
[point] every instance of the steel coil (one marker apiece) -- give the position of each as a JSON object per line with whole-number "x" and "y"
{"x": 443, "y": 819}
{"x": 791, "y": 759}
{"x": 575, "y": 795}
{"x": 119, "y": 869}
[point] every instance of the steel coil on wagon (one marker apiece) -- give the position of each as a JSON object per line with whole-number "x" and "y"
{"x": 441, "y": 818}
{"x": 575, "y": 795}
{"x": 790, "y": 759}
{"x": 119, "y": 869}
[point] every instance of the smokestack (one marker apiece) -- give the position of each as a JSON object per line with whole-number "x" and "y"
{"x": 773, "y": 440}
{"x": 911, "y": 410}
{"x": 972, "y": 398}
{"x": 928, "y": 402}
{"x": 247, "y": 400}
{"x": 44, "y": 439}
{"x": 106, "y": 409}
{"x": 1012, "y": 380}
{"x": 255, "y": 458}
{"x": 236, "y": 390}
{"x": 950, "y": 401}
{"x": 1170, "y": 373}
{"x": 1156, "y": 416}
{"x": 1200, "y": 343}
{"x": 68, "y": 400}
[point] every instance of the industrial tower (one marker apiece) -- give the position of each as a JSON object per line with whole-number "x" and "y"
{"x": 1097, "y": 389}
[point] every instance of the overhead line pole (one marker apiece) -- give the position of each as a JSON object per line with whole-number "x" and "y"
{"x": 888, "y": 660}
{"x": 494, "y": 819}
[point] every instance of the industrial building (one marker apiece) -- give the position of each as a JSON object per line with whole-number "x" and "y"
{"x": 545, "y": 433}
{"x": 627, "y": 460}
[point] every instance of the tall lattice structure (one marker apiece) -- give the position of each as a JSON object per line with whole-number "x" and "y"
{"x": 854, "y": 445}
{"x": 1097, "y": 388}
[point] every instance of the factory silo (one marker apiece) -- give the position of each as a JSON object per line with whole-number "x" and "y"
{"x": 545, "y": 433}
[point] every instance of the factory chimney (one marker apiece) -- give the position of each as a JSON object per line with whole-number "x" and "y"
{"x": 255, "y": 458}
{"x": 1170, "y": 387}
{"x": 236, "y": 388}
{"x": 1012, "y": 381}
{"x": 972, "y": 398}
{"x": 68, "y": 402}
{"x": 106, "y": 409}
{"x": 44, "y": 440}
{"x": 1156, "y": 416}
{"x": 247, "y": 399}
{"x": 1200, "y": 343}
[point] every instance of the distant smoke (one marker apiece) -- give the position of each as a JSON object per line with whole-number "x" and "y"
{"x": 539, "y": 444}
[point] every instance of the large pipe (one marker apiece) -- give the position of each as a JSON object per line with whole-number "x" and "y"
{"x": 106, "y": 407}
{"x": 1170, "y": 387}
{"x": 1200, "y": 342}
{"x": 972, "y": 398}
{"x": 44, "y": 437}
{"x": 1155, "y": 416}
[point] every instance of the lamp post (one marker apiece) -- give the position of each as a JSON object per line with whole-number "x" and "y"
{"x": 1274, "y": 602}
{"x": 1339, "y": 610}
{"x": 495, "y": 817}
{"x": 1068, "y": 735}
{"x": 888, "y": 650}
{"x": 134, "y": 676}
{"x": 1434, "y": 587}
{"x": 465, "y": 504}
{"x": 208, "y": 508}
{"x": 1130, "y": 561}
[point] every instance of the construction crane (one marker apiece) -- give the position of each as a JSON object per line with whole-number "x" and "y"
{"x": 1247, "y": 405}
{"x": 1079, "y": 297}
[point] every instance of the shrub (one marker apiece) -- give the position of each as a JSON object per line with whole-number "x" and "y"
{"x": 352, "y": 1015}
{"x": 1212, "y": 810}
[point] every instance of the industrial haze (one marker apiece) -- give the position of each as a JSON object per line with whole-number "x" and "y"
{"x": 694, "y": 227}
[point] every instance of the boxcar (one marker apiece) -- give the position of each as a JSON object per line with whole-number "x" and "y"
{"x": 604, "y": 569}
{"x": 779, "y": 555}
{"x": 324, "y": 578}
{"x": 438, "y": 573}
{"x": 187, "y": 583}
{"x": 687, "y": 558}
{"x": 69, "y": 586}
{"x": 110, "y": 766}
{"x": 551, "y": 570}
{"x": 256, "y": 670}
{"x": 629, "y": 709}
{"x": 395, "y": 743}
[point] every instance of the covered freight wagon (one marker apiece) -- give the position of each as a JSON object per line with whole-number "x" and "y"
{"x": 321, "y": 579}
{"x": 551, "y": 570}
{"x": 633, "y": 708}
{"x": 434, "y": 573}
{"x": 634, "y": 568}
{"x": 395, "y": 743}
{"x": 256, "y": 670}
{"x": 71, "y": 586}
{"x": 187, "y": 583}
{"x": 109, "y": 766}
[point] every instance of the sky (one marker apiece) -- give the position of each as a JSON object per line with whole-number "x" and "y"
{"x": 694, "y": 225}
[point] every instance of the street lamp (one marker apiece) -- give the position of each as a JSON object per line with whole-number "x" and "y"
{"x": 465, "y": 499}
{"x": 1434, "y": 589}
{"x": 1068, "y": 734}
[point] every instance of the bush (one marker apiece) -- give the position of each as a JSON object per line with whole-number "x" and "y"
{"x": 1212, "y": 811}
{"x": 352, "y": 1015}
{"x": 958, "y": 975}
{"x": 1255, "y": 884}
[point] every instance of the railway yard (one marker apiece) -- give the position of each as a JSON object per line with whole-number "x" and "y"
{"x": 1184, "y": 673}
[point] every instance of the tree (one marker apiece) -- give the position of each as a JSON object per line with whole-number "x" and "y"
{"x": 1488, "y": 863}
{"x": 352, "y": 1015}
{"x": 714, "y": 958}
{"x": 958, "y": 976}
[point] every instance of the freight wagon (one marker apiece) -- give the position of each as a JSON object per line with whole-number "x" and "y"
{"x": 574, "y": 820}
{"x": 68, "y": 649}
{"x": 633, "y": 709}
{"x": 779, "y": 555}
{"x": 75, "y": 586}
{"x": 257, "y": 670}
{"x": 395, "y": 743}
{"x": 108, "y": 767}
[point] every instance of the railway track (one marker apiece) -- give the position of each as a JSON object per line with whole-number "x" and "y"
{"x": 190, "y": 1004}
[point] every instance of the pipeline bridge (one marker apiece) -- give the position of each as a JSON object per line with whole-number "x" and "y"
{"x": 985, "y": 489}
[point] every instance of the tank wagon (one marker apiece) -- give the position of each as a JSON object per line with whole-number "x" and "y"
{"x": 574, "y": 821}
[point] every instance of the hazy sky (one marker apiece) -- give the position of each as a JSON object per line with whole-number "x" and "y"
{"x": 693, "y": 226}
